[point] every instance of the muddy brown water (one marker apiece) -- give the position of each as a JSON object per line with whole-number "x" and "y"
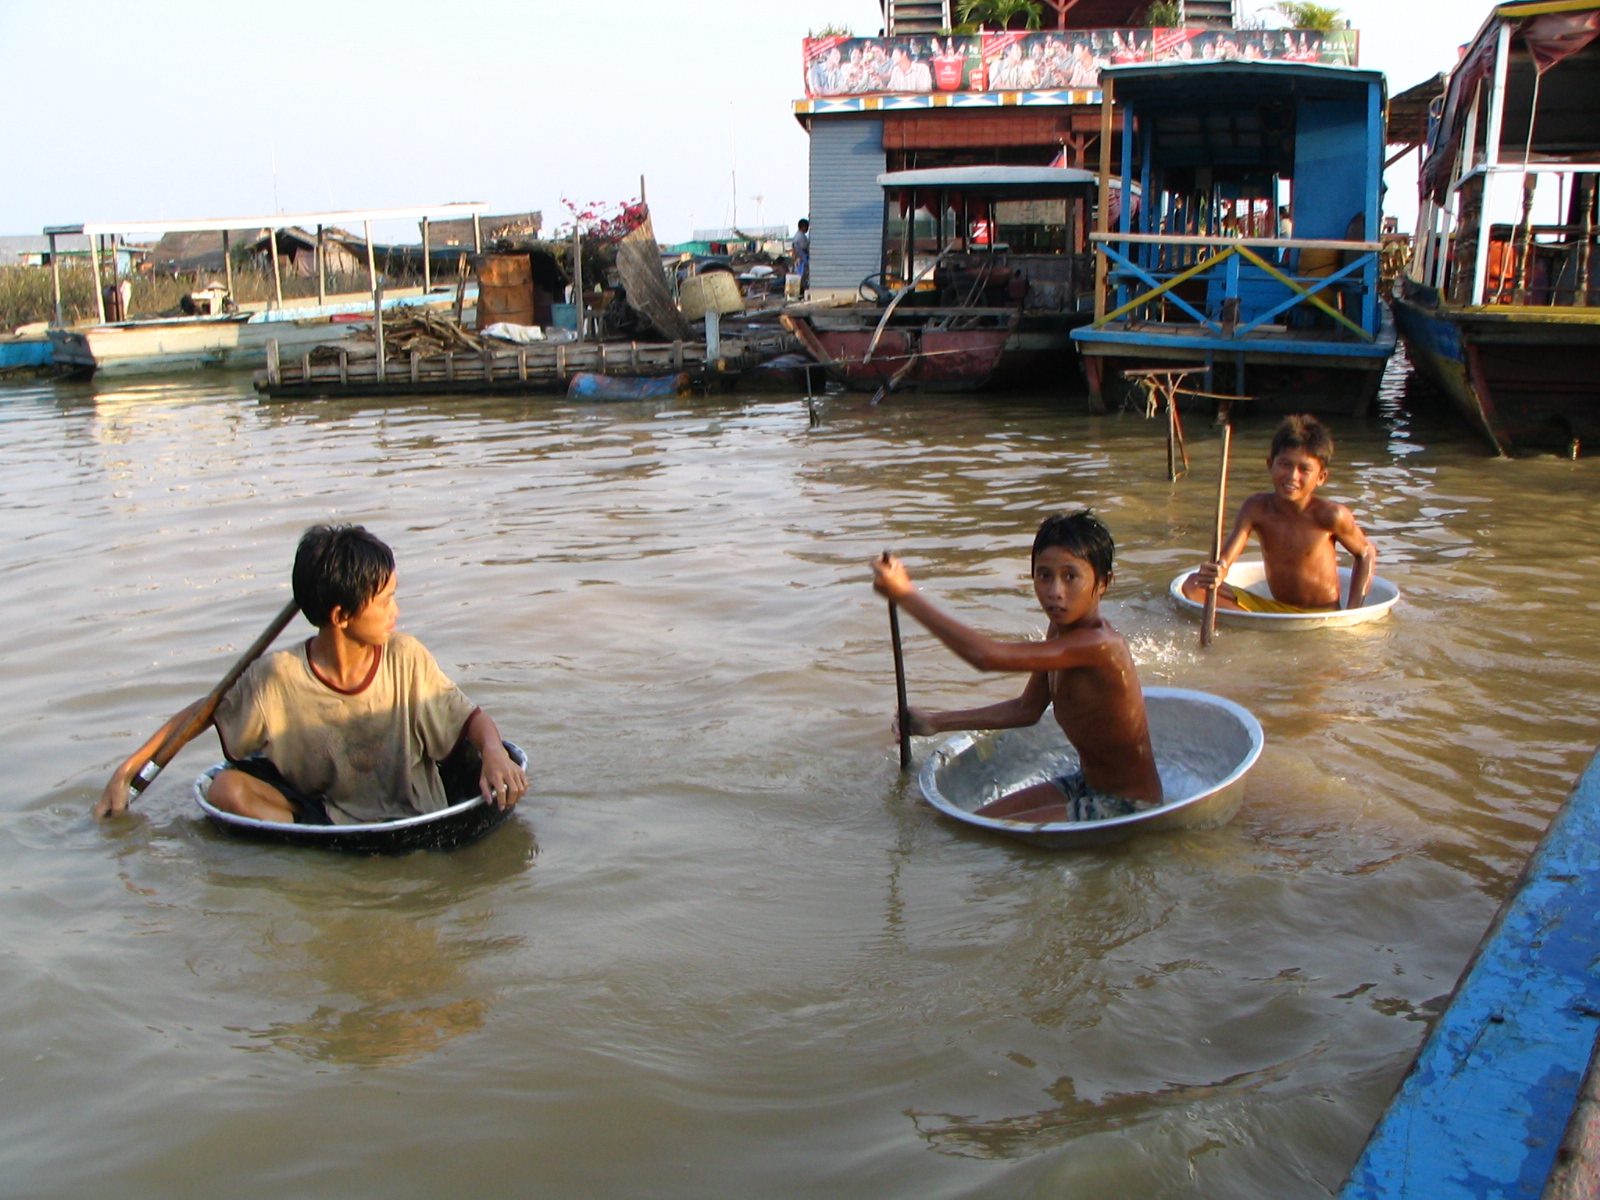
{"x": 725, "y": 949}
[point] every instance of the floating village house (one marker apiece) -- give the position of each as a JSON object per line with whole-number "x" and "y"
{"x": 919, "y": 99}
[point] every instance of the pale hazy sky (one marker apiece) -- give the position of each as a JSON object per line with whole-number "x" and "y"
{"x": 151, "y": 109}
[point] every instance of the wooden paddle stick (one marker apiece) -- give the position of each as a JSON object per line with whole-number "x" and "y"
{"x": 1208, "y": 621}
{"x": 201, "y": 717}
{"x": 900, "y": 681}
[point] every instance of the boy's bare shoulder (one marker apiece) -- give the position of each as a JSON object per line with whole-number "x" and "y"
{"x": 1330, "y": 514}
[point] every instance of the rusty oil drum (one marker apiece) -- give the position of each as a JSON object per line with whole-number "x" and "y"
{"x": 505, "y": 289}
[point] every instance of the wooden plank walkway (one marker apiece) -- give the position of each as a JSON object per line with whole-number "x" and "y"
{"x": 1495, "y": 1089}
{"x": 532, "y": 368}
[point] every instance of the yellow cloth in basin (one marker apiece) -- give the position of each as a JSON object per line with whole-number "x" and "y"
{"x": 1252, "y": 602}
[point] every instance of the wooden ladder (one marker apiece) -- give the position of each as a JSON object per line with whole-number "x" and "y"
{"x": 918, "y": 16}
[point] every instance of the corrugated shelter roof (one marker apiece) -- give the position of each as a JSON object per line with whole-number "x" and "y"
{"x": 459, "y": 233}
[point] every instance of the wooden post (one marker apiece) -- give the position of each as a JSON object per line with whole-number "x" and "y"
{"x": 322, "y": 267}
{"x": 372, "y": 267}
{"x": 55, "y": 274}
{"x": 477, "y": 235}
{"x": 227, "y": 263}
{"x": 577, "y": 277}
{"x": 272, "y": 362}
{"x": 277, "y": 274}
{"x": 377, "y": 327}
{"x": 427, "y": 260}
{"x": 1103, "y": 217}
{"x": 99, "y": 293}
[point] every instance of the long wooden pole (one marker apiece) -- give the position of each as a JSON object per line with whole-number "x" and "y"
{"x": 201, "y": 717}
{"x": 55, "y": 276}
{"x": 227, "y": 265}
{"x": 427, "y": 260}
{"x": 1208, "y": 621}
{"x": 322, "y": 267}
{"x": 99, "y": 291}
{"x": 277, "y": 272}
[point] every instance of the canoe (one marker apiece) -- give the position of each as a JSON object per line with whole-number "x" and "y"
{"x": 1252, "y": 576}
{"x": 1204, "y": 746}
{"x": 466, "y": 820}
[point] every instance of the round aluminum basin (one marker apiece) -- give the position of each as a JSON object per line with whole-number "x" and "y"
{"x": 1203, "y": 744}
{"x": 1251, "y": 576}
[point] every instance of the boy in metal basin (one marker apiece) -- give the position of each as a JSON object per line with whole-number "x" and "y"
{"x": 1299, "y": 533}
{"x": 347, "y": 727}
{"x": 1083, "y": 668}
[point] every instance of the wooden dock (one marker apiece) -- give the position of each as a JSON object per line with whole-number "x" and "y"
{"x": 1502, "y": 1099}
{"x": 532, "y": 368}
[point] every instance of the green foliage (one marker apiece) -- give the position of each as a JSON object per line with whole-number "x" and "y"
{"x": 827, "y": 31}
{"x": 1001, "y": 14}
{"x": 1164, "y": 14}
{"x": 1305, "y": 15}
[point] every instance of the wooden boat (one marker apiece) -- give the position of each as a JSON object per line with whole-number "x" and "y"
{"x": 953, "y": 308}
{"x": 228, "y": 340}
{"x": 466, "y": 820}
{"x": 26, "y": 352}
{"x": 1197, "y": 272}
{"x": 1502, "y": 313}
{"x": 1204, "y": 746}
{"x": 1252, "y": 576}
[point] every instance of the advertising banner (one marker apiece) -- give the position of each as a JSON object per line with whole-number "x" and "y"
{"x": 1019, "y": 62}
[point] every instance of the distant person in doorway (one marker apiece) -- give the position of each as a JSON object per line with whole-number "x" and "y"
{"x": 802, "y": 254}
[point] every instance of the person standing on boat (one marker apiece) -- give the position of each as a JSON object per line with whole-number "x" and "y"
{"x": 801, "y": 247}
{"x": 1083, "y": 668}
{"x": 346, "y": 728}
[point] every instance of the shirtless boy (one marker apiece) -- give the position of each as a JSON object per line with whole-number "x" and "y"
{"x": 1299, "y": 533}
{"x": 1083, "y": 668}
{"x": 347, "y": 727}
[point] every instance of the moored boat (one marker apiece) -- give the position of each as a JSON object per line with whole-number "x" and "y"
{"x": 1251, "y": 575}
{"x": 468, "y": 818}
{"x": 218, "y": 334}
{"x": 1204, "y": 746}
{"x": 1252, "y": 253}
{"x": 1500, "y": 305}
{"x": 983, "y": 276}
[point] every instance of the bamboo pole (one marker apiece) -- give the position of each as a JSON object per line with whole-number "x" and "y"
{"x": 55, "y": 274}
{"x": 577, "y": 277}
{"x": 477, "y": 235}
{"x": 427, "y": 260}
{"x": 99, "y": 293}
{"x": 227, "y": 261}
{"x": 322, "y": 266}
{"x": 277, "y": 273}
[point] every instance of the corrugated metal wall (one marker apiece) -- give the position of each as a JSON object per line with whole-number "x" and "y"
{"x": 846, "y": 201}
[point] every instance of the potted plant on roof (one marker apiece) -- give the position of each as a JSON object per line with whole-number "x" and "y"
{"x": 1001, "y": 14}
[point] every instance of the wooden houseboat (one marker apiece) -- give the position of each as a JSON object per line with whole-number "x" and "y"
{"x": 1500, "y": 306}
{"x": 1251, "y": 250}
{"x": 221, "y": 335}
{"x": 983, "y": 277}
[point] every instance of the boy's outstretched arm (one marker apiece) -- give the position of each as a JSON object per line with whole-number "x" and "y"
{"x": 892, "y": 582}
{"x": 1213, "y": 573}
{"x": 1348, "y": 534}
{"x": 1025, "y": 710}
{"x": 113, "y": 800}
{"x": 502, "y": 782}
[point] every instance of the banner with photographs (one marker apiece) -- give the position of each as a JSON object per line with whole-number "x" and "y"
{"x": 1071, "y": 58}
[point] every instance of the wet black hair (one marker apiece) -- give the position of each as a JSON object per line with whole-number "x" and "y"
{"x": 338, "y": 566}
{"x": 1303, "y": 432}
{"x": 1079, "y": 533}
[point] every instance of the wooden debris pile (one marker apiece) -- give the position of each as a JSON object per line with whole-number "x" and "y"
{"x": 422, "y": 330}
